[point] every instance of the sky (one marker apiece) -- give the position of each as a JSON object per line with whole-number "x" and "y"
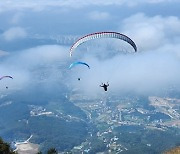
{"x": 36, "y": 35}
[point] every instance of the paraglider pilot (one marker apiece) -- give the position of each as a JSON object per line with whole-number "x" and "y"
{"x": 104, "y": 86}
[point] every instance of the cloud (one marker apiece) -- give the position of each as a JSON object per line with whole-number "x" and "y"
{"x": 3, "y": 53}
{"x": 40, "y": 55}
{"x": 151, "y": 32}
{"x": 39, "y": 64}
{"x": 143, "y": 73}
{"x": 152, "y": 70}
{"x": 14, "y": 33}
{"x": 154, "y": 67}
{"x": 39, "y": 5}
{"x": 96, "y": 15}
{"x": 147, "y": 72}
{"x": 17, "y": 18}
{"x": 162, "y": 1}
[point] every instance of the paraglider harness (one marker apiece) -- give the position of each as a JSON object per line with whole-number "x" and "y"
{"x": 104, "y": 86}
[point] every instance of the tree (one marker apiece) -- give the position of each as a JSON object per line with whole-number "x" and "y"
{"x": 5, "y": 148}
{"x": 52, "y": 151}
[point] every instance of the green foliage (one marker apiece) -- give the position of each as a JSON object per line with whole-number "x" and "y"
{"x": 67, "y": 108}
{"x": 52, "y": 151}
{"x": 135, "y": 138}
{"x": 54, "y": 132}
{"x": 5, "y": 148}
{"x": 61, "y": 132}
{"x": 97, "y": 145}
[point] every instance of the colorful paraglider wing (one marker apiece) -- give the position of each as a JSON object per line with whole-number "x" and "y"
{"x": 78, "y": 63}
{"x": 102, "y": 35}
{"x": 6, "y": 77}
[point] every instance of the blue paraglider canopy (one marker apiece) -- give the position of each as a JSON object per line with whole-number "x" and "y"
{"x": 78, "y": 63}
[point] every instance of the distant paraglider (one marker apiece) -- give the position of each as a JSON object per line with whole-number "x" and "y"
{"x": 102, "y": 35}
{"x": 6, "y": 77}
{"x": 78, "y": 63}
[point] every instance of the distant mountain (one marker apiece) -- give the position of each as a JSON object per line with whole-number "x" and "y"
{"x": 47, "y": 114}
{"x": 36, "y": 40}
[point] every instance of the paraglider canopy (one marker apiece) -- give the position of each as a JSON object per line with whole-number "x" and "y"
{"x": 6, "y": 76}
{"x": 97, "y": 35}
{"x": 78, "y": 63}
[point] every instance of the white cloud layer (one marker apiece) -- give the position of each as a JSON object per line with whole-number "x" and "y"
{"x": 40, "y": 55}
{"x": 14, "y": 33}
{"x": 97, "y": 15}
{"x": 3, "y": 53}
{"x": 162, "y": 1}
{"x": 39, "y": 5}
{"x": 151, "y": 33}
{"x": 148, "y": 72}
{"x": 17, "y": 18}
{"x": 153, "y": 69}
{"x": 34, "y": 63}
{"x": 155, "y": 66}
